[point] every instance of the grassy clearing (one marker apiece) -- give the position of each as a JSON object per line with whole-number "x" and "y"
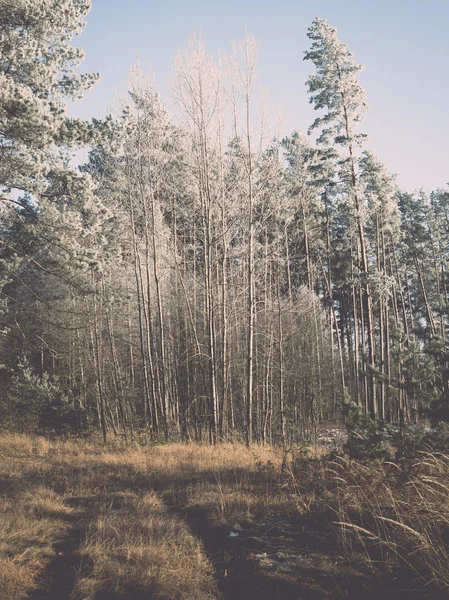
{"x": 199, "y": 522}
{"x": 133, "y": 541}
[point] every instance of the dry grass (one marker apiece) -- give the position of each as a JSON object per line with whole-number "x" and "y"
{"x": 32, "y": 515}
{"x": 138, "y": 549}
{"x": 397, "y": 513}
{"x": 141, "y": 511}
{"x": 135, "y": 540}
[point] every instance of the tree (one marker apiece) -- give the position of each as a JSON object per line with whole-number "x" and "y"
{"x": 383, "y": 237}
{"x": 336, "y": 89}
{"x": 46, "y": 202}
{"x": 37, "y": 73}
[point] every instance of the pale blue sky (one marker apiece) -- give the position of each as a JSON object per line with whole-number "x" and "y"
{"x": 403, "y": 43}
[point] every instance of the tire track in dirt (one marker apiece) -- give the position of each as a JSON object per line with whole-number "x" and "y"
{"x": 59, "y": 579}
{"x": 278, "y": 561}
{"x": 237, "y": 571}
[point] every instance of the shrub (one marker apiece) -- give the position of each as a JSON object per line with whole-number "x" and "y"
{"x": 365, "y": 434}
{"x": 409, "y": 440}
{"x": 37, "y": 404}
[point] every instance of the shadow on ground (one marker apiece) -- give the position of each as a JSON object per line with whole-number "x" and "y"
{"x": 288, "y": 558}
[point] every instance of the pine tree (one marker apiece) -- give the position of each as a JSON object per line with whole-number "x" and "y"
{"x": 336, "y": 89}
{"x": 49, "y": 206}
{"x": 37, "y": 75}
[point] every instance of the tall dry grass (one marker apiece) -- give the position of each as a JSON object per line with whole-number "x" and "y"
{"x": 390, "y": 512}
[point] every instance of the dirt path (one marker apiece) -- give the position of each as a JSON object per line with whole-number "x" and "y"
{"x": 271, "y": 560}
{"x": 280, "y": 560}
{"x": 59, "y": 579}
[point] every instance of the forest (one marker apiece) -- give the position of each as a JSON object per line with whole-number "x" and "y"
{"x": 197, "y": 276}
{"x": 224, "y": 365}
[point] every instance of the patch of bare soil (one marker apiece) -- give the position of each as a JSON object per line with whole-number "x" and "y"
{"x": 296, "y": 560}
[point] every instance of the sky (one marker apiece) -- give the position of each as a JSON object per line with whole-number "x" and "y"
{"x": 404, "y": 45}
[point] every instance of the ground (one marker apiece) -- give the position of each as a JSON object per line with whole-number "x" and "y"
{"x": 177, "y": 522}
